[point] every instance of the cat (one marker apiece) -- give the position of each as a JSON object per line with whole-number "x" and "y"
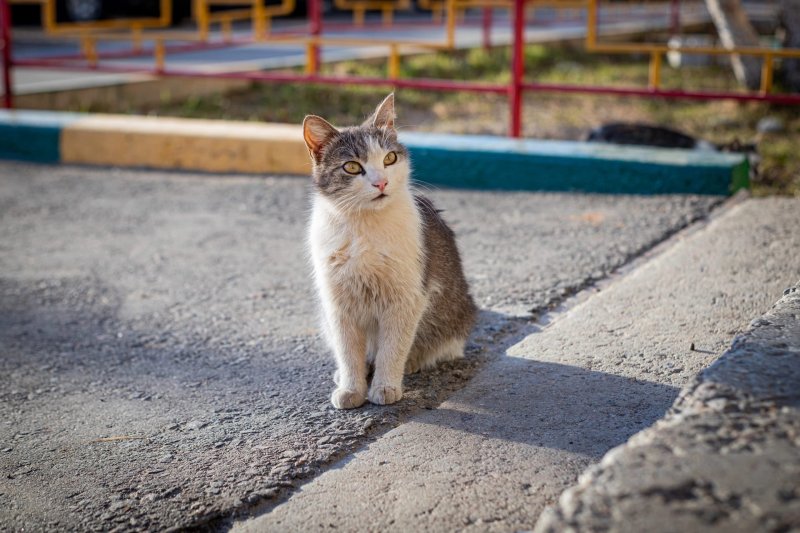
{"x": 631, "y": 133}
{"x": 645, "y": 135}
{"x": 386, "y": 266}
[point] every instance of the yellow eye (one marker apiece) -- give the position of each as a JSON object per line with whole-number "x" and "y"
{"x": 390, "y": 159}
{"x": 351, "y": 167}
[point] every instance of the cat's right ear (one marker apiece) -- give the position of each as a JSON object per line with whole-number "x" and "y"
{"x": 317, "y": 132}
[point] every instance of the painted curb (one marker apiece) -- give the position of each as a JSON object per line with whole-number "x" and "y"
{"x": 479, "y": 162}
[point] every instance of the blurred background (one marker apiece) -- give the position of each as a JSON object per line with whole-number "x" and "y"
{"x": 714, "y": 74}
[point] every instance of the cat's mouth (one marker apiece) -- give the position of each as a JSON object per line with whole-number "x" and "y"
{"x": 380, "y": 197}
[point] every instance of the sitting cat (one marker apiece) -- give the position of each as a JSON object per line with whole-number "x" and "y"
{"x": 386, "y": 265}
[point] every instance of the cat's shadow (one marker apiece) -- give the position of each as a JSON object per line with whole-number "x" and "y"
{"x": 547, "y": 404}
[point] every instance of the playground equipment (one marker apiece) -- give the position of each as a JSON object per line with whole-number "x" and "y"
{"x": 165, "y": 41}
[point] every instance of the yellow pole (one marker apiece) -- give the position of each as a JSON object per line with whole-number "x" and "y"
{"x": 49, "y": 15}
{"x": 451, "y": 23}
{"x": 227, "y": 29}
{"x": 766, "y": 74}
{"x": 259, "y": 21}
{"x": 136, "y": 37}
{"x": 165, "y": 12}
{"x": 387, "y": 13}
{"x": 436, "y": 11}
{"x": 394, "y": 62}
{"x": 89, "y": 49}
{"x": 201, "y": 13}
{"x": 160, "y": 54}
{"x": 311, "y": 57}
{"x": 358, "y": 15}
{"x": 655, "y": 71}
{"x": 591, "y": 25}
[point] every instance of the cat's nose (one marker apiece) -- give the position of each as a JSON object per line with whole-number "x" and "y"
{"x": 381, "y": 184}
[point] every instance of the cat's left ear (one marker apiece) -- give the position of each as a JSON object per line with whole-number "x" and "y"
{"x": 384, "y": 116}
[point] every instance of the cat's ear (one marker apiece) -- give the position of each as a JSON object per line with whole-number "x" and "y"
{"x": 384, "y": 116}
{"x": 317, "y": 132}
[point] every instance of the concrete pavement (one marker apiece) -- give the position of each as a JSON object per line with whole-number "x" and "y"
{"x": 160, "y": 360}
{"x": 493, "y": 455}
{"x": 725, "y": 459}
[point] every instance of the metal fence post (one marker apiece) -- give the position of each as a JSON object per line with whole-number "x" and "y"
{"x": 487, "y": 27}
{"x": 675, "y": 17}
{"x": 517, "y": 69}
{"x": 5, "y": 44}
{"x": 315, "y": 16}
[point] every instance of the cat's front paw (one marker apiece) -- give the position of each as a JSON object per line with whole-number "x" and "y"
{"x": 383, "y": 394}
{"x": 347, "y": 399}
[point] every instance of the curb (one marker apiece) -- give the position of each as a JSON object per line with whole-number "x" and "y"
{"x": 723, "y": 459}
{"x": 480, "y": 162}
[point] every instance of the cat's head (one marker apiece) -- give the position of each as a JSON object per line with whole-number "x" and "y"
{"x": 361, "y": 167}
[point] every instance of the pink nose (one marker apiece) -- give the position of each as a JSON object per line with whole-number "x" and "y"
{"x": 381, "y": 184}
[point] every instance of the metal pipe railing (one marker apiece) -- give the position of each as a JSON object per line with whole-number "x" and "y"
{"x": 6, "y": 44}
{"x": 314, "y": 41}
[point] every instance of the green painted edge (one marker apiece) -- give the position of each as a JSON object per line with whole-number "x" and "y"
{"x": 39, "y": 144}
{"x": 33, "y": 135}
{"x": 481, "y": 170}
{"x": 741, "y": 177}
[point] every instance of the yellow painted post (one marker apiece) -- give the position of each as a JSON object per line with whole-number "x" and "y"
{"x": 259, "y": 21}
{"x": 358, "y": 15}
{"x": 451, "y": 23}
{"x": 591, "y": 25}
{"x": 655, "y": 71}
{"x": 387, "y": 12}
{"x": 227, "y": 28}
{"x": 201, "y": 14}
{"x": 136, "y": 37}
{"x": 160, "y": 54}
{"x": 89, "y": 49}
{"x": 394, "y": 62}
{"x": 311, "y": 58}
{"x": 49, "y": 15}
{"x": 766, "y": 74}
{"x": 436, "y": 11}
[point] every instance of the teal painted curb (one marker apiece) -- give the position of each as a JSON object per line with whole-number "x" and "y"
{"x": 483, "y": 162}
{"x": 33, "y": 135}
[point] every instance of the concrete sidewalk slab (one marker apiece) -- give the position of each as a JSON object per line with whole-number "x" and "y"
{"x": 725, "y": 459}
{"x": 449, "y": 160}
{"x": 497, "y": 452}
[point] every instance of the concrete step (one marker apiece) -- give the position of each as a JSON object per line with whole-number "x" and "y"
{"x": 725, "y": 459}
{"x": 494, "y": 455}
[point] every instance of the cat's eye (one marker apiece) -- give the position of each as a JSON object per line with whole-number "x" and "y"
{"x": 390, "y": 159}
{"x": 351, "y": 167}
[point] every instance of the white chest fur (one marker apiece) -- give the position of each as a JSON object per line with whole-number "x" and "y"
{"x": 367, "y": 260}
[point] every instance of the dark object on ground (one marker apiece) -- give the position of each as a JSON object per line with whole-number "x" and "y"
{"x": 643, "y": 135}
{"x": 629, "y": 133}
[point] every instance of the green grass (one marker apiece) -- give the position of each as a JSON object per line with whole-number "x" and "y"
{"x": 545, "y": 115}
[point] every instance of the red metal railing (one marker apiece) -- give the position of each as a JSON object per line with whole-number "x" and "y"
{"x": 5, "y": 45}
{"x": 514, "y": 89}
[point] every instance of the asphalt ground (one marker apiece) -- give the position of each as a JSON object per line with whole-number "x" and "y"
{"x": 161, "y": 366}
